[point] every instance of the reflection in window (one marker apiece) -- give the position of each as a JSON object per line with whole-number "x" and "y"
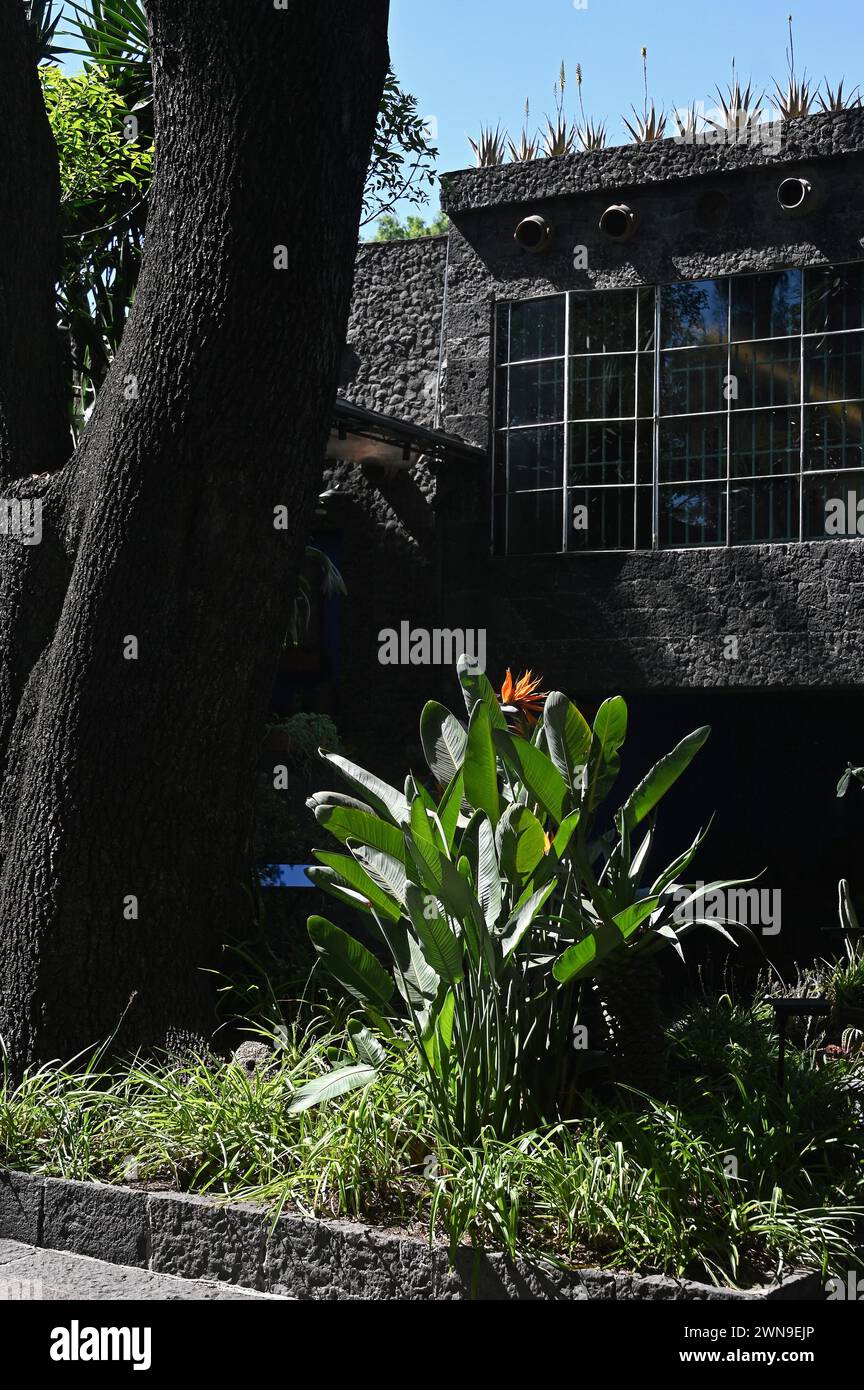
{"x": 766, "y": 374}
{"x": 766, "y": 306}
{"x": 694, "y": 314}
{"x": 603, "y": 388}
{"x": 693, "y": 448}
{"x": 834, "y": 367}
{"x": 535, "y": 459}
{"x": 763, "y": 512}
{"x": 604, "y": 322}
{"x": 705, "y": 413}
{"x": 602, "y": 452}
{"x": 692, "y": 514}
{"x": 834, "y": 299}
{"x": 536, "y": 330}
{"x": 833, "y": 436}
{"x": 693, "y": 381}
{"x": 764, "y": 441}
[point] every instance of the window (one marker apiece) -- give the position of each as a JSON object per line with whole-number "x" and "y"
{"x": 705, "y": 413}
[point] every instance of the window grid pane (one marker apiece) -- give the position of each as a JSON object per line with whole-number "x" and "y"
{"x": 686, "y": 416}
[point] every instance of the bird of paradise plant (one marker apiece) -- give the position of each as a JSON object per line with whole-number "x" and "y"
{"x": 502, "y": 912}
{"x": 523, "y": 698}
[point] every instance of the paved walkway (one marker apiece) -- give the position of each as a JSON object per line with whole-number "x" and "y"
{"x": 27, "y": 1274}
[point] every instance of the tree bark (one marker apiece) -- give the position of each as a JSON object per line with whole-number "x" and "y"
{"x": 34, "y": 433}
{"x": 126, "y": 807}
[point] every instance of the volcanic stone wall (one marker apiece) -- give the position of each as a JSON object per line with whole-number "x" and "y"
{"x": 646, "y": 620}
{"x": 384, "y": 526}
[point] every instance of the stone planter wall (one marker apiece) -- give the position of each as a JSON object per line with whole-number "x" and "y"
{"x": 195, "y": 1238}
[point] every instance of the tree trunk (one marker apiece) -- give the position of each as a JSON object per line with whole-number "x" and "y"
{"x": 34, "y": 433}
{"x": 126, "y": 807}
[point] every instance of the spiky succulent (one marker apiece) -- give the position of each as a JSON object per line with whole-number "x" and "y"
{"x": 490, "y": 147}
{"x": 591, "y": 135}
{"x": 740, "y": 108}
{"x": 834, "y": 99}
{"x": 646, "y": 127}
{"x": 559, "y": 137}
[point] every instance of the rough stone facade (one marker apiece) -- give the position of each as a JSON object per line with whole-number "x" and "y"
{"x": 384, "y": 526}
{"x": 650, "y": 625}
{"x": 650, "y": 619}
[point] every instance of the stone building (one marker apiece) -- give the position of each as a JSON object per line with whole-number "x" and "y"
{"x": 657, "y": 353}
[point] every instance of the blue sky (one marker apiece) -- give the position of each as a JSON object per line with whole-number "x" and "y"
{"x": 473, "y": 62}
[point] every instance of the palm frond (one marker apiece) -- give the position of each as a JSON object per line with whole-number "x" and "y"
{"x": 43, "y": 18}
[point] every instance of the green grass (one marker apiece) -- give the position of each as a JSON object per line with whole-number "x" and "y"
{"x": 631, "y": 1183}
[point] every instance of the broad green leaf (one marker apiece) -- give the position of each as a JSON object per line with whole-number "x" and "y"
{"x": 413, "y": 789}
{"x": 480, "y": 768}
{"x": 421, "y": 828}
{"x": 384, "y": 799}
{"x": 476, "y": 688}
{"x": 450, "y": 806}
{"x": 345, "y": 823}
{"x": 677, "y": 867}
{"x": 568, "y": 737}
{"x": 538, "y": 773}
{"x": 565, "y": 832}
{"x": 439, "y": 943}
{"x": 633, "y": 916}
{"x": 367, "y": 1046}
{"x": 418, "y": 984}
{"x": 523, "y": 919}
{"x": 356, "y": 969}
{"x": 444, "y": 742}
{"x": 583, "y": 957}
{"x": 328, "y": 881}
{"x": 848, "y": 915}
{"x": 337, "y": 1083}
{"x": 663, "y": 775}
{"x": 355, "y": 876}
{"x": 520, "y": 843}
{"x": 604, "y": 764}
{"x": 384, "y": 869}
{"x": 488, "y": 881}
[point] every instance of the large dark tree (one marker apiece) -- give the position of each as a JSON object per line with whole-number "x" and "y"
{"x": 139, "y": 640}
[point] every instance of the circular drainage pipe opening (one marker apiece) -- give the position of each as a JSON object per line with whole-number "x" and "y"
{"x": 533, "y": 234}
{"x": 619, "y": 222}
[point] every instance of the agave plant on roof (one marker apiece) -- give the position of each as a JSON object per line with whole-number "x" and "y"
{"x": 833, "y": 99}
{"x": 795, "y": 97}
{"x": 647, "y": 127}
{"x": 528, "y": 146}
{"x": 740, "y": 108}
{"x": 490, "y": 147}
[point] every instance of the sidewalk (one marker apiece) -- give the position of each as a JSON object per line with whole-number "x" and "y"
{"x": 30, "y": 1274}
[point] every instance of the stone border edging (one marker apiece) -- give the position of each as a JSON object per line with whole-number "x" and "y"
{"x": 196, "y": 1238}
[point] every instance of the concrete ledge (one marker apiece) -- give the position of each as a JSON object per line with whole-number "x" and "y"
{"x": 195, "y": 1238}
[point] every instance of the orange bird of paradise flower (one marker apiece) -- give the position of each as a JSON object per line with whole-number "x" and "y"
{"x": 523, "y": 696}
